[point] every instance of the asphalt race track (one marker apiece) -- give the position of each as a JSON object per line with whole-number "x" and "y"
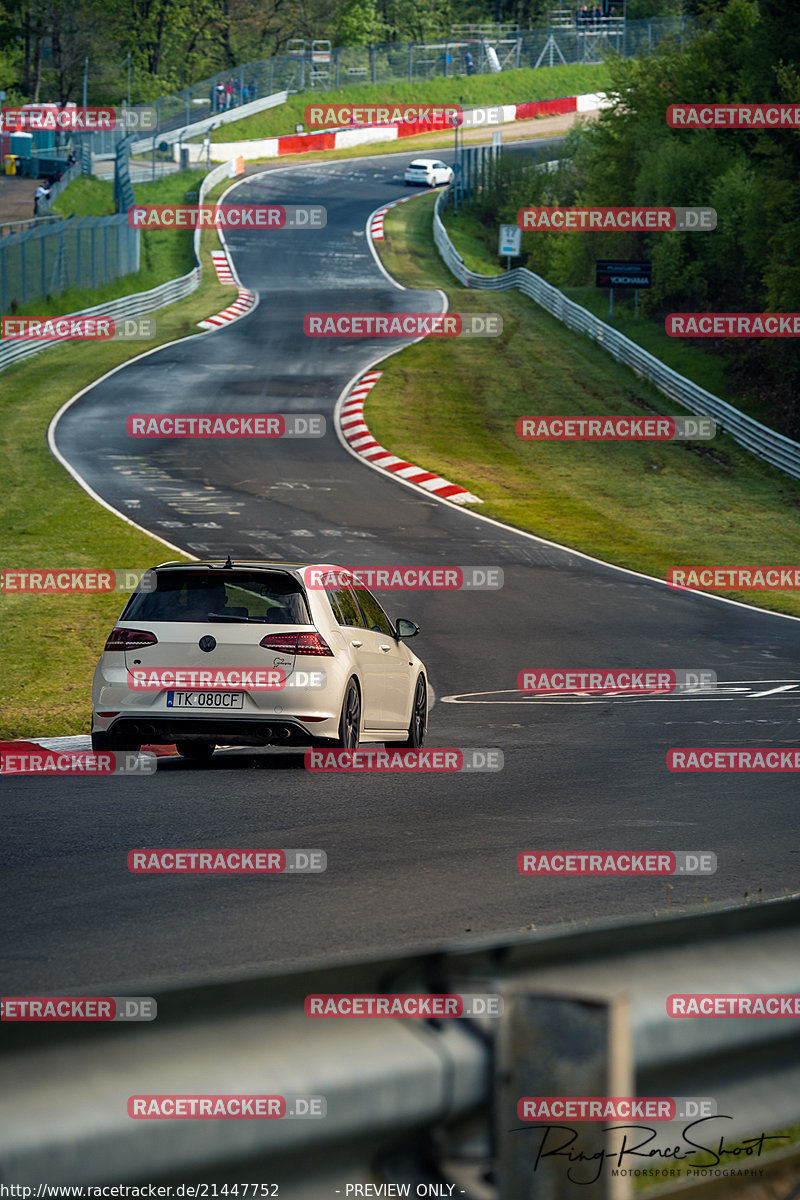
{"x": 416, "y": 859}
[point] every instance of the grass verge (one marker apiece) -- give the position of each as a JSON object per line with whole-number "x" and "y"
{"x": 451, "y": 406}
{"x": 51, "y": 643}
{"x": 509, "y": 87}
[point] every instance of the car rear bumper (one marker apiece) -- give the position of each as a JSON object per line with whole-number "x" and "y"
{"x": 160, "y": 729}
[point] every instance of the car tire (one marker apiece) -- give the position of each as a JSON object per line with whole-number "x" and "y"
{"x": 196, "y": 751}
{"x": 350, "y": 717}
{"x": 418, "y": 725}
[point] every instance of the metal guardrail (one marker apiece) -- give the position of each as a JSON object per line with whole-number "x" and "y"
{"x": 411, "y": 1101}
{"x": 9, "y": 227}
{"x": 138, "y": 303}
{"x": 135, "y": 305}
{"x": 774, "y": 448}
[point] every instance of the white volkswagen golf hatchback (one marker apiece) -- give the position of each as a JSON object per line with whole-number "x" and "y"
{"x": 346, "y": 674}
{"x": 429, "y": 171}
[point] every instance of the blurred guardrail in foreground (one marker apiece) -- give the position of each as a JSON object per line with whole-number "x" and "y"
{"x": 776, "y": 449}
{"x": 423, "y": 1101}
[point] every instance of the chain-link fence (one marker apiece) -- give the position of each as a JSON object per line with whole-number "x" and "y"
{"x": 349, "y": 66}
{"x": 84, "y": 252}
{"x": 466, "y": 53}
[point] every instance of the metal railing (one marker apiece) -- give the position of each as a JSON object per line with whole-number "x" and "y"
{"x": 7, "y": 227}
{"x": 413, "y": 1101}
{"x": 774, "y": 448}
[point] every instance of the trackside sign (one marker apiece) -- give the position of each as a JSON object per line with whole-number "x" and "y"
{"x": 611, "y": 272}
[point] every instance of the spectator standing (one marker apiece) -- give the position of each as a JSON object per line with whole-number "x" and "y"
{"x": 41, "y": 193}
{"x": 469, "y": 63}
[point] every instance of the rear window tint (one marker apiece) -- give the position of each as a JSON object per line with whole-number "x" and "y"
{"x": 270, "y": 599}
{"x": 418, "y": 166}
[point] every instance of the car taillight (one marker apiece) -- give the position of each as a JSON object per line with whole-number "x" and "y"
{"x": 130, "y": 639}
{"x": 297, "y": 643}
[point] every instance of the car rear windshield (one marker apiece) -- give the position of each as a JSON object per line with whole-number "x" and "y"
{"x": 272, "y": 599}
{"x": 418, "y": 166}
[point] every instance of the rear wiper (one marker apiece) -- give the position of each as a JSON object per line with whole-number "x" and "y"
{"x": 227, "y": 617}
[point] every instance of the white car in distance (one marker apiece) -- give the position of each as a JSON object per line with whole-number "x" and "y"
{"x": 258, "y": 616}
{"x": 428, "y": 171}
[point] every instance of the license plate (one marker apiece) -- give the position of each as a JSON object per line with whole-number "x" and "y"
{"x": 205, "y": 700}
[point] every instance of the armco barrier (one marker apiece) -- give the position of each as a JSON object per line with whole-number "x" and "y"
{"x": 412, "y": 1101}
{"x": 139, "y": 303}
{"x": 775, "y": 449}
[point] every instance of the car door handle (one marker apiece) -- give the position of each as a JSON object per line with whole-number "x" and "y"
{"x": 356, "y": 644}
{"x": 385, "y": 648}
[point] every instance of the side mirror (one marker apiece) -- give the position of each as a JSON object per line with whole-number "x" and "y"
{"x": 405, "y": 629}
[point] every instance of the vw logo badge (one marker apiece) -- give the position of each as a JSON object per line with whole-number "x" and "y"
{"x": 207, "y": 643}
